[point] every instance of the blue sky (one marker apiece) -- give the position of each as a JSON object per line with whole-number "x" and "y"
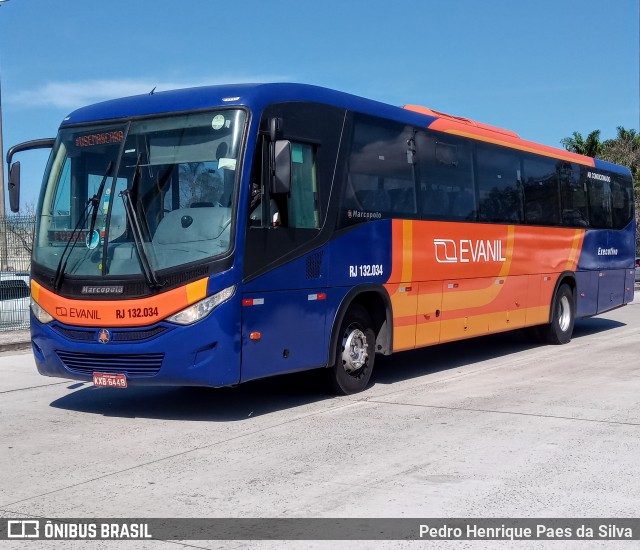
{"x": 542, "y": 68}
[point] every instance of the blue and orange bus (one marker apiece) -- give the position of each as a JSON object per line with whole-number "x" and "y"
{"x": 216, "y": 235}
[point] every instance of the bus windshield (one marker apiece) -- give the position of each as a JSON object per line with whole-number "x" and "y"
{"x": 157, "y": 192}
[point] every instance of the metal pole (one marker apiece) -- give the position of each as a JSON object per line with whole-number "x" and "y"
{"x": 3, "y": 213}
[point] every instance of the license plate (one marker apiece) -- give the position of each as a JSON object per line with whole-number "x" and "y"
{"x": 106, "y": 380}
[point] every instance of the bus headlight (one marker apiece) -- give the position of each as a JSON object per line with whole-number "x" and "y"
{"x": 40, "y": 313}
{"x": 201, "y": 309}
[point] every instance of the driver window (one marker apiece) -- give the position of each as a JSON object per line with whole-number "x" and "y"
{"x": 299, "y": 208}
{"x": 303, "y": 199}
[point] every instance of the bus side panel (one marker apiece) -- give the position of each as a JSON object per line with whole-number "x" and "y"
{"x": 473, "y": 279}
{"x": 608, "y": 249}
{"x": 629, "y": 285}
{"x": 539, "y": 295}
{"x": 473, "y": 307}
{"x": 364, "y": 255}
{"x": 611, "y": 289}
{"x": 462, "y": 303}
{"x": 404, "y": 301}
{"x": 610, "y": 255}
{"x": 451, "y": 250}
{"x": 283, "y": 332}
{"x": 587, "y": 287}
{"x": 284, "y": 317}
{"x": 511, "y": 304}
{"x": 429, "y": 313}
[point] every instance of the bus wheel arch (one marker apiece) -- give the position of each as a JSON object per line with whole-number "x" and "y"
{"x": 363, "y": 320}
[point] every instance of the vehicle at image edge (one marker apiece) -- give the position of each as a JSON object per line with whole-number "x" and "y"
{"x": 637, "y": 269}
{"x": 216, "y": 235}
{"x": 14, "y": 299}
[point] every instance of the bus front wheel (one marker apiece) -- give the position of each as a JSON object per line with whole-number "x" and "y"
{"x": 563, "y": 316}
{"x": 355, "y": 353}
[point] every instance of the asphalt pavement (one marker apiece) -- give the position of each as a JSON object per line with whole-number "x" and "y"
{"x": 15, "y": 340}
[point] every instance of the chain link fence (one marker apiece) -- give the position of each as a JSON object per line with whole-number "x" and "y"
{"x": 16, "y": 238}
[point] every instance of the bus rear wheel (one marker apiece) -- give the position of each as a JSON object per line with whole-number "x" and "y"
{"x": 355, "y": 353}
{"x": 563, "y": 317}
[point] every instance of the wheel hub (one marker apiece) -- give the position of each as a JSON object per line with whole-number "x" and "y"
{"x": 564, "y": 317}
{"x": 354, "y": 350}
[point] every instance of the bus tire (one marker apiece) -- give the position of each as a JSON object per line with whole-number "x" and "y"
{"x": 563, "y": 316}
{"x": 355, "y": 353}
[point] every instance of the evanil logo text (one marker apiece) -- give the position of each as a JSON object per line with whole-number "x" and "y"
{"x": 464, "y": 251}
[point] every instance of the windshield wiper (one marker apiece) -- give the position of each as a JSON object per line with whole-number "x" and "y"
{"x": 62, "y": 263}
{"x": 93, "y": 202}
{"x": 134, "y": 222}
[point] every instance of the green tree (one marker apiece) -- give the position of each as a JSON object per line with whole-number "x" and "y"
{"x": 625, "y": 150}
{"x": 590, "y": 147}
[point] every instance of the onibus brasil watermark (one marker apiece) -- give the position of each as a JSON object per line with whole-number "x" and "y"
{"x": 321, "y": 529}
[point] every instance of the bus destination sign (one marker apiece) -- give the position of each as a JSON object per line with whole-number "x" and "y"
{"x": 104, "y": 138}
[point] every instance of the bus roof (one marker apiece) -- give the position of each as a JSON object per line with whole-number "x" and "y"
{"x": 253, "y": 96}
{"x": 258, "y": 96}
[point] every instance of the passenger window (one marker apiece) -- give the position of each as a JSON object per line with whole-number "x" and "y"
{"x": 599, "y": 203}
{"x": 380, "y": 180}
{"x": 541, "y": 191}
{"x": 500, "y": 198}
{"x": 573, "y": 196}
{"x": 622, "y": 201}
{"x": 446, "y": 178}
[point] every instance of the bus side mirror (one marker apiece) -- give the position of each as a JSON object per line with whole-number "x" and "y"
{"x": 281, "y": 167}
{"x": 275, "y": 127}
{"x": 14, "y": 170}
{"x": 14, "y": 187}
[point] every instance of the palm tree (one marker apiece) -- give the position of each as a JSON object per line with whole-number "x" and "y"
{"x": 630, "y": 136}
{"x": 590, "y": 147}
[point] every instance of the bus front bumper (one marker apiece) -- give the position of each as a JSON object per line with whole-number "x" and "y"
{"x": 203, "y": 354}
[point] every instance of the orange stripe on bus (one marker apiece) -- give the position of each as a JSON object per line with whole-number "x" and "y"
{"x": 119, "y": 313}
{"x": 407, "y": 250}
{"x": 397, "y": 246}
{"x": 407, "y": 321}
{"x": 576, "y": 247}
